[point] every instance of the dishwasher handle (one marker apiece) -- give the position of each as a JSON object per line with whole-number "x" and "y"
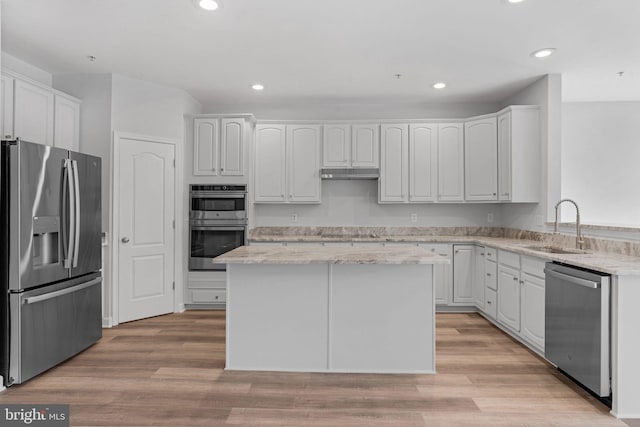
{"x": 572, "y": 279}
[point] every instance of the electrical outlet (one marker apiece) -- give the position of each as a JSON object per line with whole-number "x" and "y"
{"x": 490, "y": 217}
{"x": 414, "y": 217}
{"x": 294, "y": 217}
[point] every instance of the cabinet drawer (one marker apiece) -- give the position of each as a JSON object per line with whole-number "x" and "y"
{"x": 207, "y": 296}
{"x": 491, "y": 253}
{"x": 533, "y": 266}
{"x": 440, "y": 248}
{"x": 509, "y": 258}
{"x": 207, "y": 280}
{"x": 491, "y": 275}
{"x": 491, "y": 303}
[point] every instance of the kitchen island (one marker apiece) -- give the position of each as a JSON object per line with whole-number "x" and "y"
{"x": 330, "y": 309}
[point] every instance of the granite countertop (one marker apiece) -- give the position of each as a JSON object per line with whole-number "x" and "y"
{"x": 600, "y": 261}
{"x": 330, "y": 255}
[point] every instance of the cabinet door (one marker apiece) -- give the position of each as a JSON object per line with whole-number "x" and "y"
{"x": 442, "y": 273}
{"x": 509, "y": 297}
{"x": 205, "y": 146}
{"x": 450, "y": 162}
{"x": 394, "y": 162}
{"x": 463, "y": 261}
{"x": 303, "y": 163}
{"x": 481, "y": 159}
{"x": 336, "y": 146}
{"x": 6, "y": 103}
{"x": 66, "y": 130}
{"x": 270, "y": 163}
{"x": 33, "y": 113}
{"x": 532, "y": 310}
{"x": 479, "y": 277}
{"x": 504, "y": 156}
{"x": 232, "y": 147}
{"x": 423, "y": 162}
{"x": 365, "y": 146}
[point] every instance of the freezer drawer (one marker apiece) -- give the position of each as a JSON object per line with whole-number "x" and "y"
{"x": 48, "y": 328}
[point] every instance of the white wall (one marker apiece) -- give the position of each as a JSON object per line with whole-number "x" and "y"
{"x": 302, "y": 111}
{"x": 546, "y": 93}
{"x": 114, "y": 102}
{"x": 12, "y": 63}
{"x": 355, "y": 203}
{"x": 600, "y": 152}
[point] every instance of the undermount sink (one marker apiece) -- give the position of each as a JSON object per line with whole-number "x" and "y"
{"x": 555, "y": 250}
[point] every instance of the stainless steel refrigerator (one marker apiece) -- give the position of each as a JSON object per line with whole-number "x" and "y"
{"x": 50, "y": 258}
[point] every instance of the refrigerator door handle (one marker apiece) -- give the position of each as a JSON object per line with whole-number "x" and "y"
{"x": 76, "y": 243}
{"x": 44, "y": 297}
{"x": 71, "y": 195}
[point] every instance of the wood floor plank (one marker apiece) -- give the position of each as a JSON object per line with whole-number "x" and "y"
{"x": 169, "y": 371}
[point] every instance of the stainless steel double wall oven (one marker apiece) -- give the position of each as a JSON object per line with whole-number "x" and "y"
{"x": 217, "y": 223}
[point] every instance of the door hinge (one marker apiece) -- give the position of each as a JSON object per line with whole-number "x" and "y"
{"x": 173, "y": 286}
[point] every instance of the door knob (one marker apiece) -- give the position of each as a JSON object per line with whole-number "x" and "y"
{"x": 125, "y": 240}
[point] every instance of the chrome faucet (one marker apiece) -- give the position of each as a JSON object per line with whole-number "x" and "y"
{"x": 579, "y": 240}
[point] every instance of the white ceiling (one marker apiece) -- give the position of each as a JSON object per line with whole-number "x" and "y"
{"x": 344, "y": 51}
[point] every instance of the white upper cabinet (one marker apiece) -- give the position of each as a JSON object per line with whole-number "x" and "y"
{"x": 423, "y": 162}
{"x": 205, "y": 146}
{"x": 33, "y": 113}
{"x": 394, "y": 163}
{"x": 232, "y": 146}
{"x": 66, "y": 129}
{"x": 303, "y": 163}
{"x": 481, "y": 159}
{"x": 6, "y": 103}
{"x": 336, "y": 147}
{"x": 270, "y": 163}
{"x": 365, "y": 146}
{"x": 450, "y": 162}
{"x": 519, "y": 154}
{"x": 218, "y": 146}
{"x": 287, "y": 164}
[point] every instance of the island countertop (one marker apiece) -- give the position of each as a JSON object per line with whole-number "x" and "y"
{"x": 330, "y": 255}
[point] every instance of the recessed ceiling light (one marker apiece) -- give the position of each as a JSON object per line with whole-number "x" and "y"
{"x": 257, "y": 86}
{"x": 439, "y": 85}
{"x": 515, "y": 1}
{"x": 543, "y": 53}
{"x": 207, "y": 4}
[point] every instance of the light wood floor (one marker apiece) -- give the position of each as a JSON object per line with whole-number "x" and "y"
{"x": 167, "y": 371}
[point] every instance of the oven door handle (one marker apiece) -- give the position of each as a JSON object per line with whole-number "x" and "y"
{"x": 219, "y": 196}
{"x": 218, "y": 228}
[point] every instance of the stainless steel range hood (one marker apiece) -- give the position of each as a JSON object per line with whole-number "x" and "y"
{"x": 349, "y": 173}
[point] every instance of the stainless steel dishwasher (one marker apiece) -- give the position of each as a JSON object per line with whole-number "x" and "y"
{"x": 577, "y": 325}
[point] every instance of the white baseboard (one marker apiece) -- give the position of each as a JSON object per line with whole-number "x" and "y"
{"x": 107, "y": 322}
{"x": 180, "y": 308}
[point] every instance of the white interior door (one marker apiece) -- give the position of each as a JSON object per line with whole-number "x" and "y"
{"x": 146, "y": 206}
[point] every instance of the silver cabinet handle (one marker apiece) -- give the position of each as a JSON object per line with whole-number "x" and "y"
{"x": 489, "y": 274}
{"x": 515, "y": 279}
{"x": 488, "y": 302}
{"x": 125, "y": 240}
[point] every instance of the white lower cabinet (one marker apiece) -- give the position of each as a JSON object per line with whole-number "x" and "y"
{"x": 532, "y": 301}
{"x": 509, "y": 297}
{"x": 463, "y": 261}
{"x": 442, "y": 273}
{"x": 206, "y": 289}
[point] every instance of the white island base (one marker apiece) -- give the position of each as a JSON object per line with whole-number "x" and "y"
{"x": 376, "y": 318}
